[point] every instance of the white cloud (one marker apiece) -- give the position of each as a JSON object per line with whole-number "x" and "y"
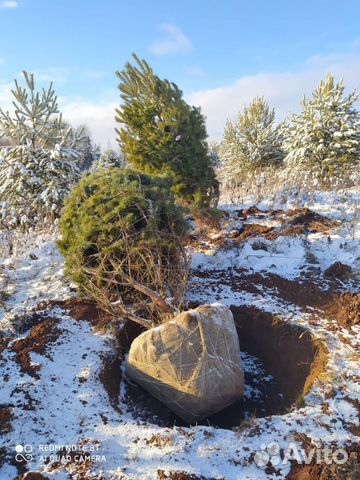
{"x": 99, "y": 117}
{"x": 8, "y": 4}
{"x": 283, "y": 90}
{"x": 174, "y": 41}
{"x": 5, "y": 96}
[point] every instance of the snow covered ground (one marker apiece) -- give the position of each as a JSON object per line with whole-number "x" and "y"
{"x": 64, "y": 401}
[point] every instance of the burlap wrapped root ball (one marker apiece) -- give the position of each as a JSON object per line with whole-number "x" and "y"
{"x": 191, "y": 363}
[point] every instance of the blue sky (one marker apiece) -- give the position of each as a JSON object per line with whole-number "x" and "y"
{"x": 221, "y": 53}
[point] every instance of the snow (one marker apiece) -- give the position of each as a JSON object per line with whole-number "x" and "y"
{"x": 32, "y": 276}
{"x": 69, "y": 404}
{"x": 283, "y": 255}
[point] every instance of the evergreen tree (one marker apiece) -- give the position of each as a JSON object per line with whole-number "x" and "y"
{"x": 252, "y": 143}
{"x": 39, "y": 167}
{"x": 323, "y": 141}
{"x": 121, "y": 239}
{"x": 231, "y": 171}
{"x": 89, "y": 152}
{"x": 109, "y": 159}
{"x": 213, "y": 152}
{"x": 162, "y": 135}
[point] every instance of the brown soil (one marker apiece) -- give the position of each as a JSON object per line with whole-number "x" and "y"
{"x": 302, "y": 358}
{"x": 312, "y": 221}
{"x": 249, "y": 212}
{"x": 5, "y": 419}
{"x": 309, "y": 472}
{"x": 287, "y": 232}
{"x": 45, "y": 332}
{"x": 82, "y": 309}
{"x": 302, "y": 221}
{"x": 110, "y": 375}
{"x": 4, "y": 342}
{"x": 32, "y": 476}
{"x": 172, "y": 475}
{"x": 295, "y": 222}
{"x": 39, "y": 338}
{"x": 208, "y": 222}
{"x": 344, "y": 307}
{"x": 253, "y": 230}
{"x": 338, "y": 270}
{"x": 348, "y": 471}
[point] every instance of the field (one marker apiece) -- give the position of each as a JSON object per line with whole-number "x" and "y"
{"x": 290, "y": 274}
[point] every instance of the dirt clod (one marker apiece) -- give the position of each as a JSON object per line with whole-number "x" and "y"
{"x": 172, "y": 475}
{"x": 39, "y": 338}
{"x": 5, "y": 419}
{"x": 32, "y": 476}
{"x": 253, "y": 230}
{"x": 338, "y": 270}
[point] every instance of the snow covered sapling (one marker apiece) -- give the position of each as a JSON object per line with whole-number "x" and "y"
{"x": 39, "y": 167}
{"x": 251, "y": 144}
{"x": 162, "y": 135}
{"x": 323, "y": 141}
{"x": 109, "y": 159}
{"x": 89, "y": 152}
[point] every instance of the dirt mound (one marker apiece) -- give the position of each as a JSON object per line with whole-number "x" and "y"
{"x": 336, "y": 305}
{"x": 301, "y": 221}
{"x": 37, "y": 341}
{"x": 82, "y": 309}
{"x": 253, "y": 230}
{"x": 32, "y": 476}
{"x": 251, "y": 211}
{"x": 338, "y": 270}
{"x": 344, "y": 307}
{"x": 310, "y": 221}
{"x": 296, "y": 222}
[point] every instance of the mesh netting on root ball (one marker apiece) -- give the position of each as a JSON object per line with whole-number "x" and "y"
{"x": 281, "y": 363}
{"x": 121, "y": 239}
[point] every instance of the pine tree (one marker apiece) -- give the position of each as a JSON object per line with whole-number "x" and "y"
{"x": 323, "y": 141}
{"x": 251, "y": 144}
{"x": 213, "y": 152}
{"x": 231, "y": 171}
{"x": 39, "y": 167}
{"x": 162, "y": 135}
{"x": 89, "y": 151}
{"x": 109, "y": 159}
